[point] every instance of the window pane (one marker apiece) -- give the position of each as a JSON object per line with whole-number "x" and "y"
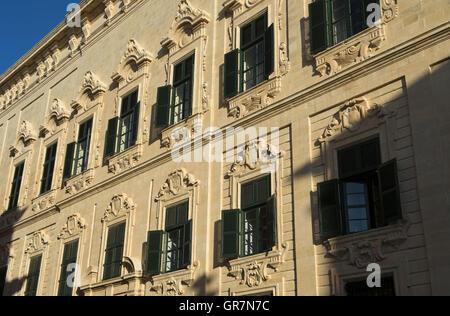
{"x": 250, "y": 230}
{"x": 358, "y": 226}
{"x": 339, "y": 21}
{"x": 357, "y": 214}
{"x": 247, "y": 34}
{"x": 260, "y": 26}
{"x": 357, "y": 16}
{"x": 249, "y": 68}
{"x": 355, "y": 188}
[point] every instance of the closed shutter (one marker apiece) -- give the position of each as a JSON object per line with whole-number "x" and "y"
{"x": 69, "y": 257}
{"x": 33, "y": 276}
{"x": 268, "y": 222}
{"x": 187, "y": 245}
{"x": 269, "y": 51}
{"x": 114, "y": 252}
{"x": 230, "y": 233}
{"x": 135, "y": 123}
{"x": 163, "y": 106}
{"x": 330, "y": 213}
{"x": 318, "y": 26}
{"x": 68, "y": 163}
{"x": 389, "y": 191}
{"x": 154, "y": 252}
{"x": 231, "y": 82}
{"x": 111, "y": 135}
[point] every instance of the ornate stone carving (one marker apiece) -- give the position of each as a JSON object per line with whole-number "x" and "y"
{"x": 254, "y": 273}
{"x": 37, "y": 242}
{"x": 350, "y": 117}
{"x": 237, "y": 6}
{"x": 120, "y": 205}
{"x": 357, "y": 49}
{"x": 177, "y": 182}
{"x": 369, "y": 247}
{"x": 254, "y": 99}
{"x": 41, "y": 71}
{"x": 92, "y": 86}
{"x": 189, "y": 24}
{"x": 27, "y": 134}
{"x": 181, "y": 131}
{"x": 44, "y": 201}
{"x": 255, "y": 154}
{"x": 74, "y": 226}
{"x": 173, "y": 284}
{"x": 74, "y": 44}
{"x": 285, "y": 65}
{"x": 390, "y": 10}
{"x": 86, "y": 29}
{"x": 125, "y": 160}
{"x": 59, "y": 112}
{"x": 79, "y": 182}
{"x": 133, "y": 63}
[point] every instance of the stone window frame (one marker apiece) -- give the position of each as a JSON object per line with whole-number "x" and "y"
{"x": 126, "y": 214}
{"x": 275, "y": 289}
{"x": 65, "y": 237}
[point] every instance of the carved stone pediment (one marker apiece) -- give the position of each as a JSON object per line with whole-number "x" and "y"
{"x": 188, "y": 25}
{"x": 174, "y": 284}
{"x": 133, "y": 63}
{"x": 237, "y": 6}
{"x": 74, "y": 226}
{"x": 27, "y": 134}
{"x": 37, "y": 242}
{"x": 254, "y": 271}
{"x": 254, "y": 99}
{"x": 59, "y": 112}
{"x": 351, "y": 115}
{"x": 92, "y": 88}
{"x": 119, "y": 206}
{"x": 368, "y": 247}
{"x": 125, "y": 160}
{"x": 177, "y": 182}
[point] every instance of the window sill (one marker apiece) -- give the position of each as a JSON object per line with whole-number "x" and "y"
{"x": 362, "y": 248}
{"x": 353, "y": 50}
{"x": 253, "y": 270}
{"x": 44, "y": 201}
{"x": 177, "y": 132}
{"x": 125, "y": 160}
{"x": 79, "y": 182}
{"x": 255, "y": 98}
{"x": 171, "y": 283}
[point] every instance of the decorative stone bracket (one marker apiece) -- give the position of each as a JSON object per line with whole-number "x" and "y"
{"x": 368, "y": 247}
{"x": 59, "y": 112}
{"x": 79, "y": 182}
{"x": 27, "y": 134}
{"x": 253, "y": 272}
{"x": 254, "y": 99}
{"x": 91, "y": 86}
{"x": 172, "y": 284}
{"x": 125, "y": 160}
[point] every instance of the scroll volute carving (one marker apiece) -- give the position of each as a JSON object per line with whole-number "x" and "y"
{"x": 91, "y": 92}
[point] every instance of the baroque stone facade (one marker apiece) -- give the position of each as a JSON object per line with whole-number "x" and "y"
{"x": 389, "y": 81}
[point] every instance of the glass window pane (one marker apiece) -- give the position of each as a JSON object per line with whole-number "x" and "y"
{"x": 358, "y": 226}
{"x": 357, "y": 214}
{"x": 250, "y": 230}
{"x": 356, "y": 199}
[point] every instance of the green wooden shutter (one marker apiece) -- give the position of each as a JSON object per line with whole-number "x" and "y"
{"x": 389, "y": 191}
{"x": 330, "y": 213}
{"x": 154, "y": 252}
{"x": 111, "y": 133}
{"x": 114, "y": 252}
{"x": 187, "y": 245}
{"x": 268, "y": 222}
{"x": 269, "y": 51}
{"x": 230, "y": 233}
{"x": 68, "y": 163}
{"x": 231, "y": 82}
{"x": 69, "y": 257}
{"x": 33, "y": 276}
{"x": 135, "y": 123}
{"x": 163, "y": 106}
{"x": 318, "y": 26}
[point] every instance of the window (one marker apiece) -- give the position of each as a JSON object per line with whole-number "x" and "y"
{"x": 123, "y": 131}
{"x": 77, "y": 154}
{"x": 366, "y": 196}
{"x": 254, "y": 61}
{"x": 174, "y": 245}
{"x": 33, "y": 276}
{"x": 69, "y": 258}
{"x": 3, "y": 273}
{"x": 251, "y": 229}
{"x": 360, "y": 288}
{"x": 174, "y": 104}
{"x": 114, "y": 252}
{"x": 49, "y": 166}
{"x": 333, "y": 21}
{"x": 15, "y": 189}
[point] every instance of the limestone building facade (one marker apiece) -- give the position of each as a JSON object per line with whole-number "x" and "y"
{"x": 349, "y": 166}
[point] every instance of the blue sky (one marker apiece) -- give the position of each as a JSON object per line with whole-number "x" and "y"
{"x": 24, "y": 23}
